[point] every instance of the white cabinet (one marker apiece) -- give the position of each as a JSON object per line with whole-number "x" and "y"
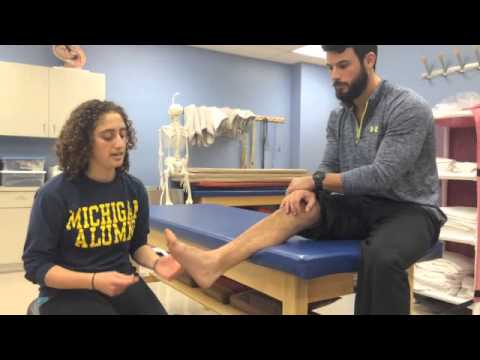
{"x": 23, "y": 100}
{"x": 35, "y": 101}
{"x": 15, "y": 207}
{"x": 69, "y": 88}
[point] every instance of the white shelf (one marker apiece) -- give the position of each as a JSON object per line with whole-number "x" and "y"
{"x": 458, "y": 241}
{"x": 437, "y": 295}
{"x": 455, "y": 119}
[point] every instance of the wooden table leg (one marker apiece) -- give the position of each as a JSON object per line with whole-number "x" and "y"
{"x": 295, "y": 300}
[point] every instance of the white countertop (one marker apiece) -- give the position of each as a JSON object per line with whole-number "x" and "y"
{"x": 19, "y": 188}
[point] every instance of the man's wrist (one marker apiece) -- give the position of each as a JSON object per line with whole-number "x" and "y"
{"x": 318, "y": 178}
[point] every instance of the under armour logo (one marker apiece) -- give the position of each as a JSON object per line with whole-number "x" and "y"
{"x": 373, "y": 130}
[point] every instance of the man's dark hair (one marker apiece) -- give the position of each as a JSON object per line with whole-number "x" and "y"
{"x": 360, "y": 50}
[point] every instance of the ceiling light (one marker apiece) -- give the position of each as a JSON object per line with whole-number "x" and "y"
{"x": 312, "y": 50}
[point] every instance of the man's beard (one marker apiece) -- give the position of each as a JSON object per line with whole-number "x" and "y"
{"x": 356, "y": 88}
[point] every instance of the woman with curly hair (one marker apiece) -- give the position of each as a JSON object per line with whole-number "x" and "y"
{"x": 87, "y": 222}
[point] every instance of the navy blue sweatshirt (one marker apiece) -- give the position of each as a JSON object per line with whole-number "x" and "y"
{"x": 85, "y": 226}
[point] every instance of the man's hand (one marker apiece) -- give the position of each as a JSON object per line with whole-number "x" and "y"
{"x": 113, "y": 283}
{"x": 301, "y": 183}
{"x": 299, "y": 201}
{"x": 168, "y": 268}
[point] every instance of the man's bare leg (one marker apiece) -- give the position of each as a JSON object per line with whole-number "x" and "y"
{"x": 206, "y": 267}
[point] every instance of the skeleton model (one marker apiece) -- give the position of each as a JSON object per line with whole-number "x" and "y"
{"x": 173, "y": 154}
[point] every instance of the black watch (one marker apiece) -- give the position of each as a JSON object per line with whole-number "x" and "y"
{"x": 318, "y": 178}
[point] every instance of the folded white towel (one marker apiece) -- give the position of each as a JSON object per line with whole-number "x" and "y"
{"x": 464, "y": 167}
{"x": 455, "y": 221}
{"x": 467, "y": 288}
{"x": 440, "y": 277}
{"x": 213, "y": 118}
{"x": 464, "y": 263}
{"x": 202, "y": 113}
{"x": 441, "y": 160}
{"x": 458, "y": 235}
{"x": 465, "y": 294}
{"x": 191, "y": 123}
{"x": 452, "y": 264}
{"x": 466, "y": 213}
{"x": 447, "y": 286}
{"x": 206, "y": 123}
{"x": 237, "y": 122}
{"x": 446, "y": 166}
{"x": 468, "y": 228}
{"x": 462, "y": 226}
{"x": 217, "y": 116}
{"x": 468, "y": 282}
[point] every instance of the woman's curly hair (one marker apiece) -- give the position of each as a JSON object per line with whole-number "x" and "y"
{"x": 74, "y": 145}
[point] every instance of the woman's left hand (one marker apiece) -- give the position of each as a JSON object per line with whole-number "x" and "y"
{"x": 168, "y": 268}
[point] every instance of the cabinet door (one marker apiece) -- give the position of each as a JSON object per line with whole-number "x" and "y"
{"x": 68, "y": 89}
{"x": 15, "y": 207}
{"x": 23, "y": 100}
{"x": 14, "y": 223}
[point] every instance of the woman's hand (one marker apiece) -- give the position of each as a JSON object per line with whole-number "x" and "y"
{"x": 168, "y": 268}
{"x": 112, "y": 283}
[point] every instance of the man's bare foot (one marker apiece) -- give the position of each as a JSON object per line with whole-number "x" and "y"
{"x": 199, "y": 264}
{"x": 168, "y": 268}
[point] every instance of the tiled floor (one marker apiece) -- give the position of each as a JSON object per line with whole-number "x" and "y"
{"x": 16, "y": 293}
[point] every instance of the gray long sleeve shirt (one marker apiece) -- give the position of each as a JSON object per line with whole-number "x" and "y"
{"x": 394, "y": 157}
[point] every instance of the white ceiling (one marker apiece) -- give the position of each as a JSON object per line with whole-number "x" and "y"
{"x": 277, "y": 53}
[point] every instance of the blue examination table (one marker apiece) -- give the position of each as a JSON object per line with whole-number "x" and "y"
{"x": 298, "y": 272}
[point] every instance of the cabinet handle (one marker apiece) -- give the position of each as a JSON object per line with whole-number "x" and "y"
{"x": 44, "y": 128}
{"x": 54, "y": 130}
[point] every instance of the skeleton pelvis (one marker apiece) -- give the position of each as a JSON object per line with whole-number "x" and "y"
{"x": 175, "y": 166}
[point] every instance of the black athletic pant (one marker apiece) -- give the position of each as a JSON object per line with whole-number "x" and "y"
{"x": 138, "y": 299}
{"x": 395, "y": 235}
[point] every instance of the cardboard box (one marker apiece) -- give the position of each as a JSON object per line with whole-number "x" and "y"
{"x": 255, "y": 303}
{"x": 224, "y": 288}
